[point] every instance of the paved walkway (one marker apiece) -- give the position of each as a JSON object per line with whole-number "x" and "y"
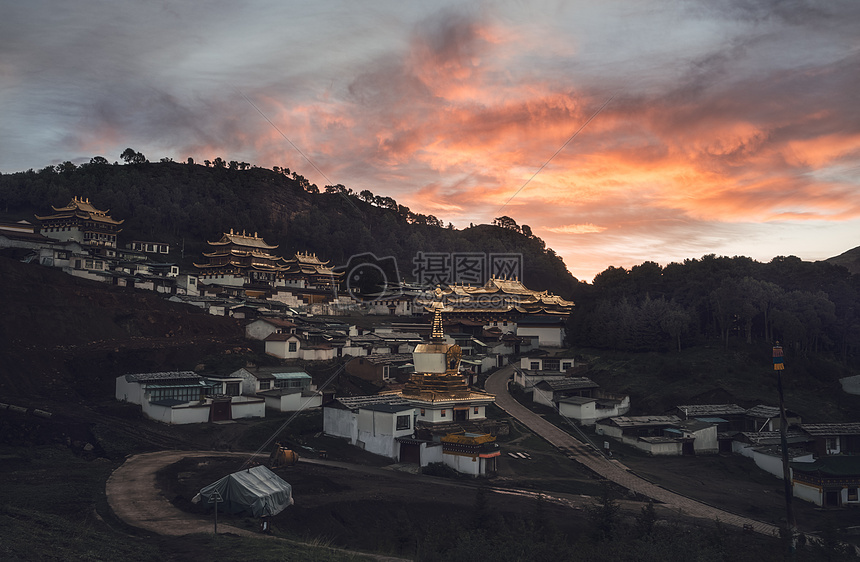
{"x": 610, "y": 469}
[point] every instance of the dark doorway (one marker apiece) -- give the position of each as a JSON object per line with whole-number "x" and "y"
{"x": 687, "y": 448}
{"x": 461, "y": 415}
{"x": 410, "y": 452}
{"x": 220, "y": 411}
{"x": 831, "y": 498}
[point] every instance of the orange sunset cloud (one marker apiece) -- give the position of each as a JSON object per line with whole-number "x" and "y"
{"x": 730, "y": 129}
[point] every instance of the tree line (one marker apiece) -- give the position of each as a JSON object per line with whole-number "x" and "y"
{"x": 810, "y": 307}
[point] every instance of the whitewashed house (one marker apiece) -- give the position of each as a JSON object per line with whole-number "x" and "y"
{"x": 373, "y": 423}
{"x": 261, "y": 328}
{"x": 180, "y": 397}
{"x": 828, "y": 481}
{"x": 533, "y": 370}
{"x": 588, "y": 410}
{"x": 284, "y": 345}
{"x": 662, "y": 435}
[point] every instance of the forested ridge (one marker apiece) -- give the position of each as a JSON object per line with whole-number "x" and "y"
{"x": 812, "y": 308}
{"x": 187, "y": 204}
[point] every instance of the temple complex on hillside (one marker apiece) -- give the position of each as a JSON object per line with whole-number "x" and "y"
{"x": 239, "y": 259}
{"x": 83, "y": 223}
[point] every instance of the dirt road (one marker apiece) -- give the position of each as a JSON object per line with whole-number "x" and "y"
{"x": 134, "y": 496}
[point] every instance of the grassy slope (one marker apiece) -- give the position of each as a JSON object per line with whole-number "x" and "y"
{"x": 53, "y": 507}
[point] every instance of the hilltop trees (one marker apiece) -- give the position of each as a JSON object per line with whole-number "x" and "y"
{"x": 809, "y": 307}
{"x": 129, "y": 156}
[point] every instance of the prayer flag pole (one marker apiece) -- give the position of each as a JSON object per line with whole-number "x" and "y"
{"x": 791, "y": 523}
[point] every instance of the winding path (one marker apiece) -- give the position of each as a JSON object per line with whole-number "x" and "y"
{"x": 610, "y": 469}
{"x": 134, "y": 496}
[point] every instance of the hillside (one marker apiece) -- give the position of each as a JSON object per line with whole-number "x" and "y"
{"x": 65, "y": 339}
{"x": 189, "y": 204}
{"x": 849, "y": 260}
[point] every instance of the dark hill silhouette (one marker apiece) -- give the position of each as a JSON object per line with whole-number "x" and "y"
{"x": 849, "y": 260}
{"x": 188, "y": 204}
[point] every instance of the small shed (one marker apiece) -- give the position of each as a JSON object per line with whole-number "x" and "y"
{"x": 257, "y": 491}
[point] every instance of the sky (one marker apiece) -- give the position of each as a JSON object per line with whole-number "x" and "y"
{"x": 619, "y": 131}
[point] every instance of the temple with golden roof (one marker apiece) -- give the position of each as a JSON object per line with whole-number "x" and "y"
{"x": 308, "y": 269}
{"x": 82, "y": 222}
{"x": 501, "y": 296}
{"x": 239, "y": 259}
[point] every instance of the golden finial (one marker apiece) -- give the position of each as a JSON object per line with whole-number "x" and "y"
{"x": 436, "y": 333}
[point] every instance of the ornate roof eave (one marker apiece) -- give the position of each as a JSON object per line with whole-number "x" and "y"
{"x": 310, "y": 259}
{"x": 243, "y": 240}
{"x": 80, "y": 215}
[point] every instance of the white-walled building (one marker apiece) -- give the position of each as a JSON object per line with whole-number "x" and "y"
{"x": 662, "y": 435}
{"x": 261, "y": 328}
{"x": 828, "y": 481}
{"x": 180, "y": 397}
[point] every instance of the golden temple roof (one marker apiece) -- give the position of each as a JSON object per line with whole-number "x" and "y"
{"x": 309, "y": 258}
{"x": 82, "y": 209}
{"x": 503, "y": 295}
{"x": 243, "y": 239}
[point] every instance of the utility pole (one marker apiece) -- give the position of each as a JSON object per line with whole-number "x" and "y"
{"x": 216, "y": 499}
{"x": 791, "y": 523}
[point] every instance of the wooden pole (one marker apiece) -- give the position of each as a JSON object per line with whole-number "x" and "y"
{"x": 791, "y": 522}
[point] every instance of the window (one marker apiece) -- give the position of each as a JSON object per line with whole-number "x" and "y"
{"x": 534, "y": 365}
{"x": 265, "y": 385}
{"x": 444, "y": 413}
{"x": 475, "y": 410}
{"x": 293, "y": 347}
{"x": 289, "y": 383}
{"x": 232, "y": 389}
{"x": 565, "y": 365}
{"x": 422, "y": 412}
{"x": 186, "y": 394}
{"x": 403, "y": 422}
{"x": 386, "y": 372}
{"x": 852, "y": 494}
{"x": 832, "y": 445}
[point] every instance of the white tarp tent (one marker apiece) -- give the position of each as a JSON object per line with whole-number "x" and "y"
{"x": 257, "y": 490}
